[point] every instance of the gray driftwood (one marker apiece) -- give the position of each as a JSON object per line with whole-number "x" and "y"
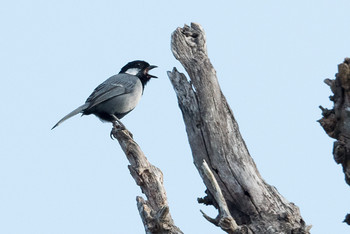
{"x": 250, "y": 204}
{"x": 154, "y": 211}
{"x": 336, "y": 122}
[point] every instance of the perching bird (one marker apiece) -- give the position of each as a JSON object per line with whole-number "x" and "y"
{"x": 118, "y": 95}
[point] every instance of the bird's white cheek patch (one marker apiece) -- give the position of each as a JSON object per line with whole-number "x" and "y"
{"x": 133, "y": 71}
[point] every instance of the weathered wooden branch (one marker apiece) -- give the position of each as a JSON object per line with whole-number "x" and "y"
{"x": 224, "y": 218}
{"x": 336, "y": 122}
{"x": 214, "y": 136}
{"x": 154, "y": 211}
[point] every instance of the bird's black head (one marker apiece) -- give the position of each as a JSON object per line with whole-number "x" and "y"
{"x": 140, "y": 69}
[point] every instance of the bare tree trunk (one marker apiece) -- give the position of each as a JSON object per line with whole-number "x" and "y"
{"x": 154, "y": 211}
{"x": 247, "y": 204}
{"x": 336, "y": 122}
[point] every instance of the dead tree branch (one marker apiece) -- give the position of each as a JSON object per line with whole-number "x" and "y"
{"x": 336, "y": 122}
{"x": 214, "y": 136}
{"x": 224, "y": 218}
{"x": 154, "y": 211}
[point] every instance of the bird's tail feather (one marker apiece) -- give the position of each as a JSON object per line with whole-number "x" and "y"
{"x": 76, "y": 111}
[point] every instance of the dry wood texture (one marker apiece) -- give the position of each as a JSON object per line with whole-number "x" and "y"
{"x": 214, "y": 137}
{"x": 154, "y": 211}
{"x": 336, "y": 122}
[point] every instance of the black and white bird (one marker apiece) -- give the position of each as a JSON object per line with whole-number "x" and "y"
{"x": 118, "y": 95}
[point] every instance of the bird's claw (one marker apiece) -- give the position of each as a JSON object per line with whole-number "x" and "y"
{"x": 117, "y": 126}
{"x": 113, "y": 131}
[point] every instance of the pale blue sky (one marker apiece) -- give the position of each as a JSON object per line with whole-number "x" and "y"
{"x": 271, "y": 58}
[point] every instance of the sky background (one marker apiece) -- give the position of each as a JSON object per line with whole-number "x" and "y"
{"x": 271, "y": 58}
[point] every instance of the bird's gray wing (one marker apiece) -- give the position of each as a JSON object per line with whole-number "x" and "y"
{"x": 114, "y": 86}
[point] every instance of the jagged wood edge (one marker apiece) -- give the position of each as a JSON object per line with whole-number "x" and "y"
{"x": 154, "y": 211}
{"x": 336, "y": 121}
{"x": 204, "y": 108}
{"x": 224, "y": 218}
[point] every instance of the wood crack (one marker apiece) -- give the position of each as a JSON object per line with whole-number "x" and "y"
{"x": 217, "y": 140}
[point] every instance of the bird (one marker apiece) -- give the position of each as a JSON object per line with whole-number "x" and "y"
{"x": 117, "y": 96}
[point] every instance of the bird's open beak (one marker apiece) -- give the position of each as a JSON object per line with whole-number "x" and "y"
{"x": 148, "y": 69}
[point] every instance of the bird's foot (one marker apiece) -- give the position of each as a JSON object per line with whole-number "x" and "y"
{"x": 117, "y": 126}
{"x": 113, "y": 132}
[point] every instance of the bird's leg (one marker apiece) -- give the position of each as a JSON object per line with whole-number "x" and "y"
{"x": 117, "y": 126}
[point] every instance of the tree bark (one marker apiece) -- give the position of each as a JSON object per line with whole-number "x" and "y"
{"x": 154, "y": 211}
{"x": 250, "y": 204}
{"x": 336, "y": 122}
